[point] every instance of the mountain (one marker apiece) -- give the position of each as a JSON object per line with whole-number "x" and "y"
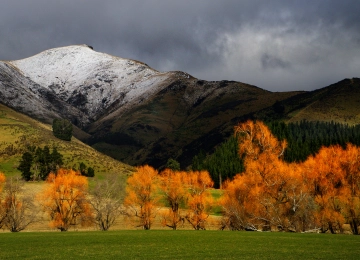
{"x": 134, "y": 113}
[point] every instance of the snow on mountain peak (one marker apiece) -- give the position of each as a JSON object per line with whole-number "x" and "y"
{"x": 90, "y": 80}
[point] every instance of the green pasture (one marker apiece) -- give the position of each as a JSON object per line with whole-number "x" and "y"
{"x": 156, "y": 244}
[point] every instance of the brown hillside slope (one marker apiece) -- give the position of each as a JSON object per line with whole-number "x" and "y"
{"x": 339, "y": 102}
{"x": 186, "y": 115}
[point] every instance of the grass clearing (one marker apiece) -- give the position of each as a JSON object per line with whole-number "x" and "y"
{"x": 157, "y": 244}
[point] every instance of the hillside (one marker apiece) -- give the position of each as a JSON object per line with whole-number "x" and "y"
{"x": 139, "y": 115}
{"x": 339, "y": 102}
{"x": 17, "y": 131}
{"x": 170, "y": 124}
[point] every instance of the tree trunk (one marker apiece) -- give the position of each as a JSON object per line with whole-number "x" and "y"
{"x": 354, "y": 227}
{"x": 331, "y": 228}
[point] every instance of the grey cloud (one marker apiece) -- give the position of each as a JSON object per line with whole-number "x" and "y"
{"x": 271, "y": 62}
{"x": 271, "y": 44}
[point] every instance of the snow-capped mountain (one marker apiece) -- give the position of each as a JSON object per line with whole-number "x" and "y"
{"x": 133, "y": 112}
{"x": 87, "y": 80}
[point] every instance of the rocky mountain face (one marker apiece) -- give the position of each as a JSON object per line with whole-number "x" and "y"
{"x": 129, "y": 110}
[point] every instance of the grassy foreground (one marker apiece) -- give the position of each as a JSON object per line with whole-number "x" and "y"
{"x": 177, "y": 245}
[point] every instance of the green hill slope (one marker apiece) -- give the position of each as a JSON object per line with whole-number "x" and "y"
{"x": 17, "y": 131}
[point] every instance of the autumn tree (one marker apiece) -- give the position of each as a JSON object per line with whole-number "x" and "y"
{"x": 335, "y": 181}
{"x": 351, "y": 166}
{"x": 263, "y": 167}
{"x": 142, "y": 195}
{"x": 199, "y": 201}
{"x": 300, "y": 205}
{"x": 19, "y": 209}
{"x": 328, "y": 187}
{"x": 174, "y": 189}
{"x": 106, "y": 201}
{"x": 64, "y": 199}
{"x": 271, "y": 192}
{"x": 237, "y": 203}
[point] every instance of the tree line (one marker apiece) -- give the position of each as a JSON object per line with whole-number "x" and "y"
{"x": 305, "y": 138}
{"x": 37, "y": 163}
{"x": 67, "y": 201}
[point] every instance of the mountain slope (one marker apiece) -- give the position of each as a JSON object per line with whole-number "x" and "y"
{"x": 17, "y": 131}
{"x": 186, "y": 111}
{"x": 139, "y": 115}
{"x": 339, "y": 102}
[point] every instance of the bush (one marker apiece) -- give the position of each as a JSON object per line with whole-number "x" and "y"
{"x": 62, "y": 129}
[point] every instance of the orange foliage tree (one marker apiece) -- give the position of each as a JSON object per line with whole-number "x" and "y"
{"x": 279, "y": 199}
{"x": 172, "y": 185}
{"x": 264, "y": 172}
{"x": 65, "y": 199}
{"x": 335, "y": 181}
{"x": 199, "y": 200}
{"x": 256, "y": 139}
{"x": 328, "y": 186}
{"x": 142, "y": 195}
{"x": 237, "y": 202}
{"x": 270, "y": 192}
{"x": 351, "y": 167}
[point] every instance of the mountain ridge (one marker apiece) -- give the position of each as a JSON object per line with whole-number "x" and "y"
{"x": 134, "y": 113}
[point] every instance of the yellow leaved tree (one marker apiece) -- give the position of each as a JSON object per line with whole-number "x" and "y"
{"x": 64, "y": 199}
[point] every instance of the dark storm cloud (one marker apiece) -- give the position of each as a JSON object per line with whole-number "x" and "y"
{"x": 276, "y": 45}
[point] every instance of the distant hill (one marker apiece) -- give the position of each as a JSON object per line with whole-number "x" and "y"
{"x": 138, "y": 115}
{"x": 339, "y": 102}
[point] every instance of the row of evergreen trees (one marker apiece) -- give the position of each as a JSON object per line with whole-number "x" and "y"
{"x": 38, "y": 162}
{"x": 304, "y": 138}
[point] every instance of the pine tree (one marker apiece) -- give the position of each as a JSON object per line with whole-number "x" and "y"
{"x": 25, "y": 166}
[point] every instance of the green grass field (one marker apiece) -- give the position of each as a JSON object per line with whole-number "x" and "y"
{"x": 156, "y": 244}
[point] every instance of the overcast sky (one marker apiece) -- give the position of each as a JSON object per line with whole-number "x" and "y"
{"x": 278, "y": 45}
